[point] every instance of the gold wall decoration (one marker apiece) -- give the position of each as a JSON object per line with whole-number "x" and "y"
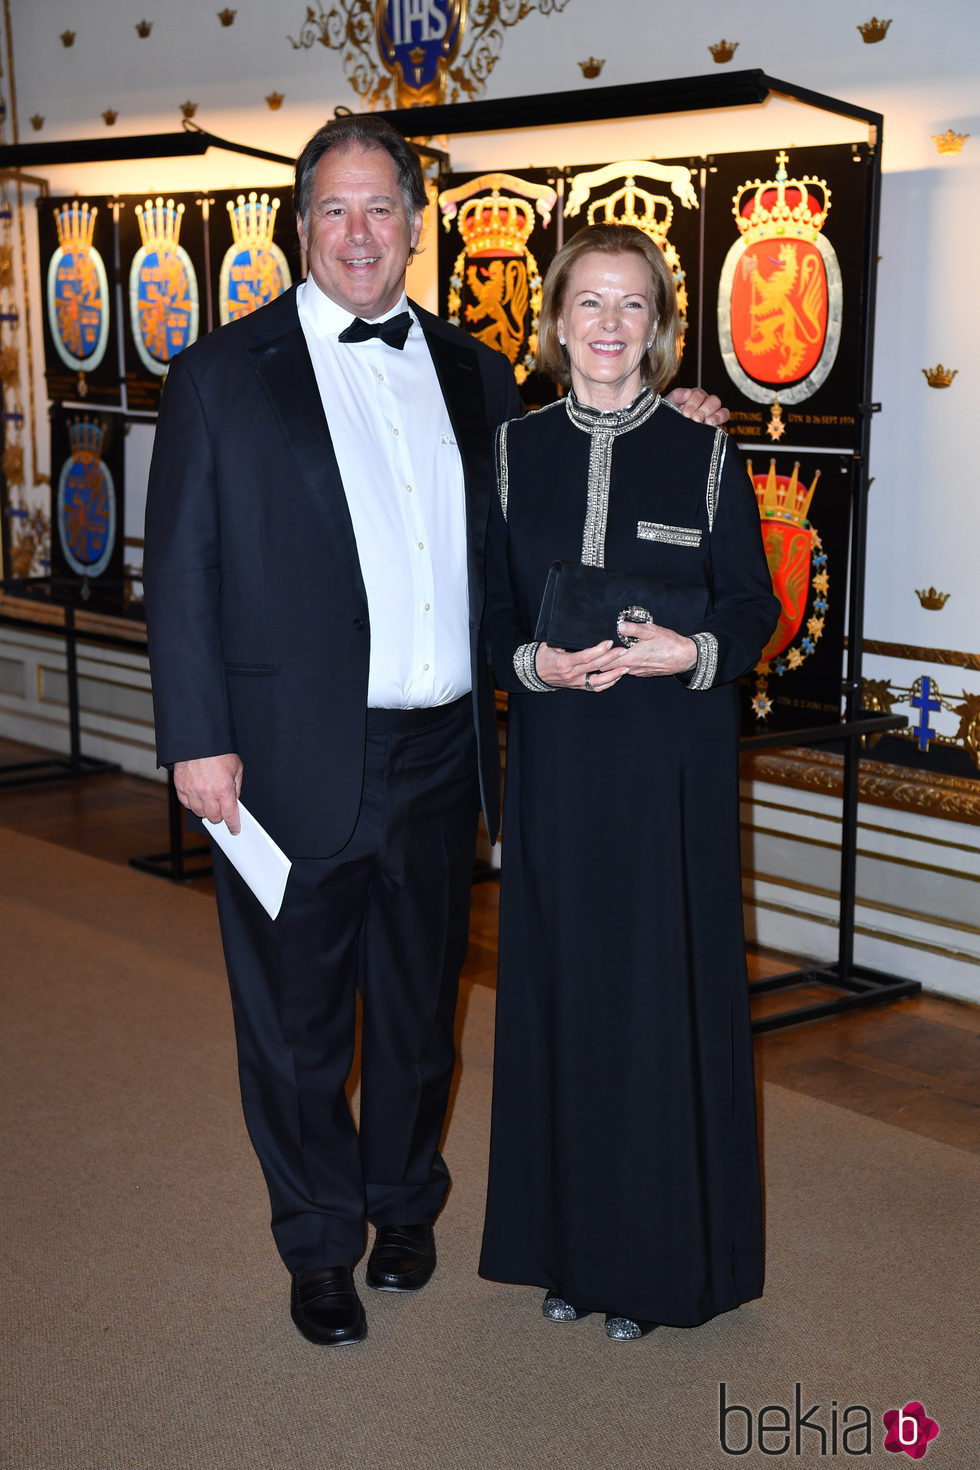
{"x": 723, "y": 50}
{"x": 939, "y": 376}
{"x": 874, "y": 30}
{"x": 910, "y": 652}
{"x": 495, "y": 267}
{"x": 408, "y": 53}
{"x": 931, "y": 599}
{"x": 956, "y": 798}
{"x": 188, "y": 109}
{"x": 226, "y": 16}
{"x": 67, "y": 38}
{"x": 143, "y": 28}
{"x": 275, "y": 100}
{"x": 592, "y": 67}
{"x": 109, "y": 116}
{"x": 630, "y": 204}
{"x": 9, "y": 365}
{"x": 949, "y": 142}
{"x": 37, "y": 122}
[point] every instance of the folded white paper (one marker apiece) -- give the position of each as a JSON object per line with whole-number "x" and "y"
{"x": 263, "y": 865}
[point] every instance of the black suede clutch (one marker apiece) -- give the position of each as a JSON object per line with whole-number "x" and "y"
{"x": 582, "y": 605}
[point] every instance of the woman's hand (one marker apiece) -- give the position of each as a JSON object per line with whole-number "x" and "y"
{"x": 697, "y": 403}
{"x": 600, "y": 665}
{"x": 656, "y": 651}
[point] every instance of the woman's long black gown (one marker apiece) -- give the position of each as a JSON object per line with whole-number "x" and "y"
{"x": 624, "y": 1172}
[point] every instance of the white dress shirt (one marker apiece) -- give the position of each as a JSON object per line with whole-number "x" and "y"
{"x": 403, "y": 478}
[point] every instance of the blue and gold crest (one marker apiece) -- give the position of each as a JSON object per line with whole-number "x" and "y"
{"x": 78, "y": 290}
{"x": 254, "y": 270}
{"x": 417, "y": 41}
{"x": 163, "y": 292}
{"x": 85, "y": 508}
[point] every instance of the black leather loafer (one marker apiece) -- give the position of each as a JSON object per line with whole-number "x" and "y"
{"x": 402, "y": 1259}
{"x": 325, "y": 1306}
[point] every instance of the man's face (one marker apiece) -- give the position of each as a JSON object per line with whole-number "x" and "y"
{"x": 359, "y": 237}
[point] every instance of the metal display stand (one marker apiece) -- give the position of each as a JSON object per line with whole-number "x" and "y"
{"x": 74, "y": 765}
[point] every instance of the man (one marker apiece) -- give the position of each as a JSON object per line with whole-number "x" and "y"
{"x": 313, "y": 577}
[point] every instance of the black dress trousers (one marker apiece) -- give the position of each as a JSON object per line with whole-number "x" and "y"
{"x": 388, "y": 916}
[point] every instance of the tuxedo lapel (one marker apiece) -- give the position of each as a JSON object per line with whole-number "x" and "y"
{"x": 282, "y": 364}
{"x": 458, "y": 371}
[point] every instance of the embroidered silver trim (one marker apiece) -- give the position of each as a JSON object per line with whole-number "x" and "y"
{"x": 527, "y": 673}
{"x": 673, "y": 535}
{"x": 502, "y": 467}
{"x": 604, "y": 428}
{"x": 707, "y": 665}
{"x": 718, "y": 451}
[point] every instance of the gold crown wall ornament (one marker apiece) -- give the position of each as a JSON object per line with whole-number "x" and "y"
{"x": 496, "y": 223}
{"x": 874, "y": 30}
{"x": 252, "y": 220}
{"x": 939, "y": 376}
{"x": 75, "y": 224}
{"x": 227, "y": 16}
{"x": 188, "y": 109}
{"x": 781, "y": 501}
{"x": 143, "y": 28}
{"x": 723, "y": 50}
{"x": 109, "y": 116}
{"x": 782, "y": 206}
{"x": 931, "y": 599}
{"x": 67, "y": 38}
{"x": 159, "y": 223}
{"x": 86, "y": 436}
{"x": 592, "y": 67}
{"x": 654, "y": 215}
{"x": 37, "y": 122}
{"x": 949, "y": 142}
{"x": 275, "y": 100}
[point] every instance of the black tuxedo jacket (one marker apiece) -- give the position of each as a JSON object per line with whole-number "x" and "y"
{"x": 257, "y": 616}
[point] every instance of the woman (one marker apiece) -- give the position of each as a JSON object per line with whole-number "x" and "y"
{"x": 624, "y": 1174}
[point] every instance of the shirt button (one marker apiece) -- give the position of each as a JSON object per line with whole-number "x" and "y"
{"x": 426, "y": 606}
{"x": 409, "y": 489}
{"x": 425, "y": 668}
{"x": 381, "y": 377}
{"x": 421, "y": 546}
{"x": 395, "y": 432}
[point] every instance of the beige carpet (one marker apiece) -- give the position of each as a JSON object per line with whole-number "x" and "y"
{"x": 144, "y": 1312}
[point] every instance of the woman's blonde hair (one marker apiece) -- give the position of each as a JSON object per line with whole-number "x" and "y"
{"x": 660, "y": 362}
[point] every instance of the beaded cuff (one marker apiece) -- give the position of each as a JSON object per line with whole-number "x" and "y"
{"x": 526, "y": 672}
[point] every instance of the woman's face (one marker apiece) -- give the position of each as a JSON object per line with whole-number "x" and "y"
{"x": 607, "y": 320}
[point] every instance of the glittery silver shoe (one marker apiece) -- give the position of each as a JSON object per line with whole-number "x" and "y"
{"x": 556, "y": 1309}
{"x": 626, "y": 1329}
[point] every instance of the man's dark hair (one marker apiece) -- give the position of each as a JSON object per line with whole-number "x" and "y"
{"x": 360, "y": 130}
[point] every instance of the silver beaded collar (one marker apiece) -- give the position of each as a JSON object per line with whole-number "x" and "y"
{"x": 604, "y": 428}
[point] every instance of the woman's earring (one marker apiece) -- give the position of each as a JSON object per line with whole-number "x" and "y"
{"x": 649, "y": 344}
{"x": 561, "y": 341}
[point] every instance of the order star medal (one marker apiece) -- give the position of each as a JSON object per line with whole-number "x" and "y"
{"x": 254, "y": 270}
{"x": 78, "y": 290}
{"x": 163, "y": 294}
{"x": 85, "y": 507}
{"x": 780, "y": 296}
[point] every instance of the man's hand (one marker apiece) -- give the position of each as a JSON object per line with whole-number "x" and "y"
{"x": 695, "y": 403}
{"x": 210, "y": 788}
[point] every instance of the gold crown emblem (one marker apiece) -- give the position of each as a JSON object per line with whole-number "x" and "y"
{"x": 75, "y": 224}
{"x": 782, "y": 501}
{"x": 143, "y": 28}
{"x": 496, "y": 223}
{"x": 781, "y": 206}
{"x": 188, "y": 109}
{"x": 950, "y": 142}
{"x": 253, "y": 220}
{"x": 723, "y": 50}
{"x": 932, "y": 599}
{"x": 874, "y": 29}
{"x": 37, "y": 122}
{"x": 939, "y": 376}
{"x": 67, "y": 38}
{"x": 109, "y": 116}
{"x": 275, "y": 100}
{"x": 592, "y": 67}
{"x": 86, "y": 436}
{"x": 620, "y": 208}
{"x": 159, "y": 223}
{"x": 227, "y": 16}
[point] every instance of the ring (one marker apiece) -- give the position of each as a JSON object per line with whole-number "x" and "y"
{"x": 588, "y": 684}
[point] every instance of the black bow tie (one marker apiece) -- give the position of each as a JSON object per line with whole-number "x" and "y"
{"x": 394, "y": 331}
